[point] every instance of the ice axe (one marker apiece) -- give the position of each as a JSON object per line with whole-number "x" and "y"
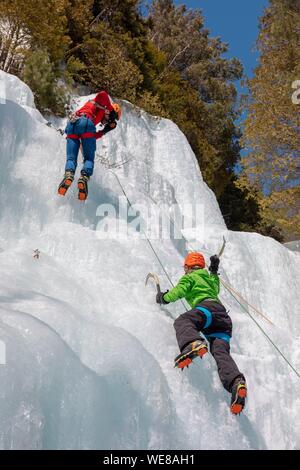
{"x": 155, "y": 278}
{"x": 49, "y": 124}
{"x": 223, "y": 247}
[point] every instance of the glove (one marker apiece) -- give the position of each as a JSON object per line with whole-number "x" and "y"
{"x": 160, "y": 298}
{"x": 113, "y": 116}
{"x": 214, "y": 264}
{"x": 107, "y": 128}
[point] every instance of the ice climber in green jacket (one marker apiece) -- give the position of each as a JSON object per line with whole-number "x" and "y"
{"x": 201, "y": 288}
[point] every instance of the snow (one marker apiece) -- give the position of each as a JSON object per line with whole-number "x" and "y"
{"x": 294, "y": 246}
{"x": 15, "y": 91}
{"x": 89, "y": 355}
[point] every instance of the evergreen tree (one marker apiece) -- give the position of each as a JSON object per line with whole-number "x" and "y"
{"x": 272, "y": 127}
{"x": 111, "y": 50}
{"x": 38, "y": 73}
{"x": 197, "y": 89}
{"x": 33, "y": 42}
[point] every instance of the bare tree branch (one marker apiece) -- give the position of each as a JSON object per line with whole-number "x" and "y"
{"x": 173, "y": 60}
{"x": 178, "y": 53}
{"x": 96, "y": 20}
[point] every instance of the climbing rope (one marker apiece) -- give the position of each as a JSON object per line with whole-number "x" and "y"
{"x": 235, "y": 294}
{"x": 227, "y": 286}
{"x": 148, "y": 240}
{"x": 232, "y": 292}
{"x": 267, "y": 336}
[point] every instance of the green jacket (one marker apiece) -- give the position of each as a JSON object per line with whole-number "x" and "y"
{"x": 195, "y": 287}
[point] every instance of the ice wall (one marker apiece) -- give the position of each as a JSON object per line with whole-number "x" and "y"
{"x": 89, "y": 353}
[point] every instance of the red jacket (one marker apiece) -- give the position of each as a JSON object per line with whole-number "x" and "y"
{"x": 95, "y": 109}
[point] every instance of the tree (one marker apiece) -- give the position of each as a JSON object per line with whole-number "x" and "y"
{"x": 272, "y": 128}
{"x": 33, "y": 42}
{"x": 29, "y": 24}
{"x": 14, "y": 37}
{"x": 197, "y": 88}
{"x": 39, "y": 74}
{"x": 110, "y": 48}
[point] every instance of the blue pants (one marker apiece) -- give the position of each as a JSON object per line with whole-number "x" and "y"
{"x": 80, "y": 127}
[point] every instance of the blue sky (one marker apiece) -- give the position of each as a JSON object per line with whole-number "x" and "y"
{"x": 236, "y": 21}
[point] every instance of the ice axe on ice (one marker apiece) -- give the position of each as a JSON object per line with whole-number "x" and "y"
{"x": 223, "y": 247}
{"x": 155, "y": 278}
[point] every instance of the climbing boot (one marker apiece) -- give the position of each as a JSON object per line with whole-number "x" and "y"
{"x": 196, "y": 349}
{"x": 66, "y": 183}
{"x": 238, "y": 398}
{"x": 83, "y": 187}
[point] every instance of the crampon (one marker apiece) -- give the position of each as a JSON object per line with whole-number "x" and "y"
{"x": 83, "y": 188}
{"x": 238, "y": 400}
{"x": 193, "y": 350}
{"x": 66, "y": 183}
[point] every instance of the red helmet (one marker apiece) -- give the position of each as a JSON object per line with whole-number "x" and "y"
{"x": 194, "y": 259}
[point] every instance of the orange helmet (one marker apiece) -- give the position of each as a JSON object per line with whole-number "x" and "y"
{"x": 194, "y": 259}
{"x": 118, "y": 110}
